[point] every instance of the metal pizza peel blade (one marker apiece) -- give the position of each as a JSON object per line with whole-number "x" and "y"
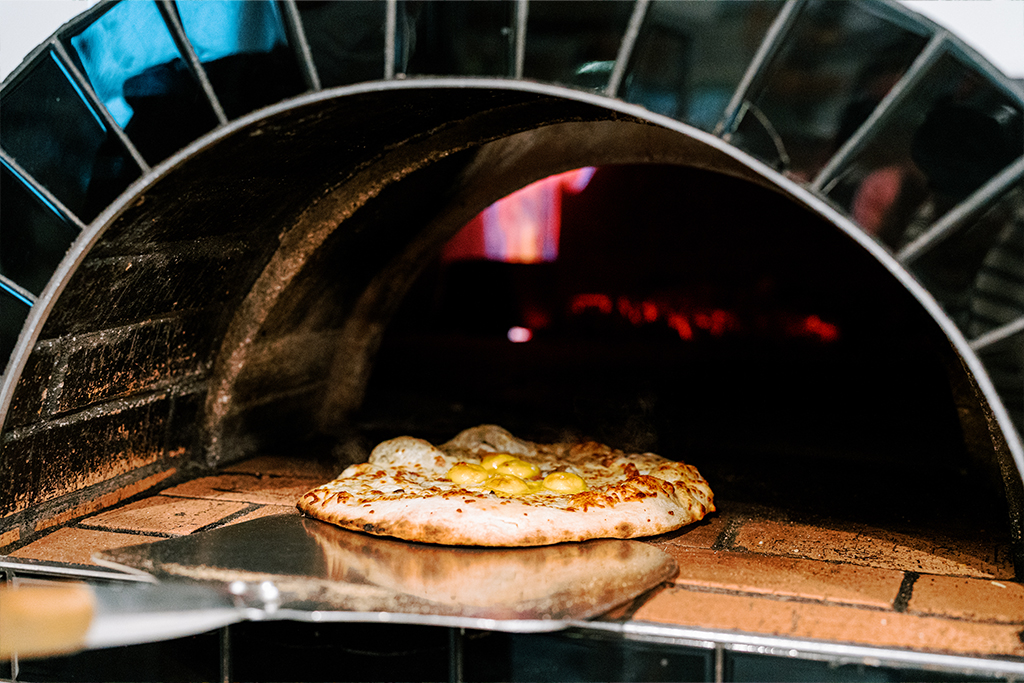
{"x": 288, "y": 567}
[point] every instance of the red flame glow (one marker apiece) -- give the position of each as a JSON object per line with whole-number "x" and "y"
{"x": 687, "y": 321}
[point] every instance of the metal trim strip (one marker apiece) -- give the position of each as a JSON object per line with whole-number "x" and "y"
{"x": 843, "y": 653}
{"x": 17, "y": 290}
{"x": 770, "y": 45}
{"x": 958, "y": 216}
{"x": 169, "y": 12}
{"x": 297, "y": 34}
{"x": 896, "y": 95}
{"x": 86, "y": 88}
{"x": 522, "y": 12}
{"x": 993, "y": 337}
{"x": 636, "y": 21}
{"x": 55, "y": 204}
{"x": 390, "y": 31}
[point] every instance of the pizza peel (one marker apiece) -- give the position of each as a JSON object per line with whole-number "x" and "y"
{"x": 289, "y": 567}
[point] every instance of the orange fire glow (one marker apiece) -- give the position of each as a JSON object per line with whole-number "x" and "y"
{"x": 523, "y": 227}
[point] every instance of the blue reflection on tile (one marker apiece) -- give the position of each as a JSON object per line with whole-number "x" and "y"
{"x": 121, "y": 44}
{"x": 59, "y": 139}
{"x": 244, "y": 51}
{"x": 134, "y": 66}
{"x": 218, "y": 28}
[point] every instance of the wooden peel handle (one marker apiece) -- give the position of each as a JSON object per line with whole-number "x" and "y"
{"x": 38, "y": 621}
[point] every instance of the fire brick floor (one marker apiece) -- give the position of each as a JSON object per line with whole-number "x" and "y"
{"x": 743, "y": 569}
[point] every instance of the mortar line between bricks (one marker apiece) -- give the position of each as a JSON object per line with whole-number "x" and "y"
{"x": 121, "y": 530}
{"x": 727, "y": 539}
{"x": 71, "y": 342}
{"x": 250, "y": 507}
{"x": 776, "y": 597}
{"x": 905, "y": 592}
{"x": 55, "y": 388}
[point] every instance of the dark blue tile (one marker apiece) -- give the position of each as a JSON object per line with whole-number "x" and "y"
{"x": 13, "y": 311}
{"x": 33, "y": 236}
{"x": 60, "y": 140}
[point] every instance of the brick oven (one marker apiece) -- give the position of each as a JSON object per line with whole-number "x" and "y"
{"x": 234, "y": 259}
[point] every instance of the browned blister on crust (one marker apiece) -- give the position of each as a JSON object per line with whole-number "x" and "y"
{"x": 402, "y": 491}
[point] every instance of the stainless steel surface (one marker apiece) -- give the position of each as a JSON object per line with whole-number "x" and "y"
{"x": 21, "y": 567}
{"x": 838, "y": 653}
{"x": 129, "y": 614}
{"x": 290, "y": 567}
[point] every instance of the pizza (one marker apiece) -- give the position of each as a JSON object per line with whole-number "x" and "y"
{"x": 486, "y": 487}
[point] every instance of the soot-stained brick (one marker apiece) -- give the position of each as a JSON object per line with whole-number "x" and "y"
{"x": 33, "y": 387}
{"x": 114, "y": 292}
{"x": 71, "y": 454}
{"x": 290, "y": 362}
{"x": 17, "y": 473}
{"x": 180, "y": 209}
{"x": 183, "y": 428}
{"x": 137, "y": 358}
{"x": 277, "y": 425}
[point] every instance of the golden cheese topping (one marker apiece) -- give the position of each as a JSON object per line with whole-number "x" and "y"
{"x": 509, "y": 484}
{"x": 519, "y": 468}
{"x": 565, "y": 482}
{"x": 508, "y": 475}
{"x": 466, "y": 474}
{"x": 494, "y": 460}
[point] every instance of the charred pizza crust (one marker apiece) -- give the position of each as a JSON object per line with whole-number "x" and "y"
{"x": 401, "y": 491}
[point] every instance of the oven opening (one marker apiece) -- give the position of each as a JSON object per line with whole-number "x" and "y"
{"x": 683, "y": 312}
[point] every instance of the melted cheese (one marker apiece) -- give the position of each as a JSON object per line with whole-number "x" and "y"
{"x": 519, "y": 468}
{"x": 495, "y": 460}
{"x": 465, "y": 474}
{"x": 507, "y": 475}
{"x": 565, "y": 482}
{"x": 508, "y": 484}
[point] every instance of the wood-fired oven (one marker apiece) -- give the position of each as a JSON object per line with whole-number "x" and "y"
{"x": 238, "y": 250}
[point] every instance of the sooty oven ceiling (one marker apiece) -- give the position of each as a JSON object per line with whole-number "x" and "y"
{"x": 276, "y": 284}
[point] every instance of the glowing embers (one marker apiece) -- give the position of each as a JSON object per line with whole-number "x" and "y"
{"x": 691, "y": 321}
{"x": 523, "y": 227}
